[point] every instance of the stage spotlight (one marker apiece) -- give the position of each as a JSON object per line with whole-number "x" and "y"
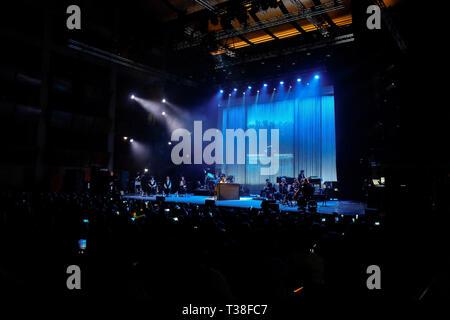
{"x": 163, "y": 113}
{"x": 169, "y": 143}
{"x": 249, "y": 87}
{"x": 125, "y": 138}
{"x": 220, "y": 91}
{"x": 132, "y": 97}
{"x": 243, "y": 93}
{"x": 316, "y": 76}
{"x": 131, "y": 140}
{"x": 163, "y": 100}
{"x": 145, "y": 170}
{"x": 229, "y": 94}
{"x": 299, "y": 79}
{"x": 265, "y": 85}
{"x": 235, "y": 89}
{"x": 274, "y": 89}
{"x": 257, "y": 91}
{"x": 281, "y": 82}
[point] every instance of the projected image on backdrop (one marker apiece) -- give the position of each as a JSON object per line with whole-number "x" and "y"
{"x": 302, "y": 111}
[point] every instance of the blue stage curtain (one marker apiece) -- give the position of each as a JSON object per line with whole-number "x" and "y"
{"x": 306, "y": 122}
{"x": 234, "y": 118}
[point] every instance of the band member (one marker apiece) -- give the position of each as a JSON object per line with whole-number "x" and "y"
{"x": 223, "y": 178}
{"x": 268, "y": 190}
{"x": 167, "y": 186}
{"x": 294, "y": 190}
{"x": 301, "y": 176}
{"x": 183, "y": 186}
{"x": 210, "y": 181}
{"x": 283, "y": 186}
{"x": 153, "y": 186}
{"x": 282, "y": 189}
{"x": 208, "y": 177}
{"x": 138, "y": 184}
{"x": 308, "y": 189}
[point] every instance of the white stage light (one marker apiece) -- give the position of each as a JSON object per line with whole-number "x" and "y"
{"x": 163, "y": 100}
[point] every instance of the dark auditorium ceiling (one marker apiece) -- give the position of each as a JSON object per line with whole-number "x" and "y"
{"x": 239, "y": 24}
{"x": 232, "y": 33}
{"x": 206, "y": 40}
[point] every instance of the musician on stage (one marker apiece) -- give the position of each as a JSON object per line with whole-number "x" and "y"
{"x": 167, "y": 186}
{"x": 308, "y": 189}
{"x": 268, "y": 190}
{"x": 210, "y": 181}
{"x": 208, "y": 177}
{"x": 138, "y": 184}
{"x": 153, "y": 186}
{"x": 282, "y": 189}
{"x": 294, "y": 190}
{"x": 301, "y": 176}
{"x": 183, "y": 186}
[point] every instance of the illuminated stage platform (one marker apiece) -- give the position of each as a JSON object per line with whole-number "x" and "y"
{"x": 338, "y": 206}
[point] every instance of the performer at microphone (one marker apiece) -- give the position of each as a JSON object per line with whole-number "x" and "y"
{"x": 167, "y": 186}
{"x": 268, "y": 190}
{"x": 282, "y": 189}
{"x": 294, "y": 190}
{"x": 208, "y": 177}
{"x": 308, "y": 189}
{"x": 138, "y": 184}
{"x": 183, "y": 186}
{"x": 301, "y": 176}
{"x": 153, "y": 186}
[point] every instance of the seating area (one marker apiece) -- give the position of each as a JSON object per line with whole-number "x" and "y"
{"x": 152, "y": 251}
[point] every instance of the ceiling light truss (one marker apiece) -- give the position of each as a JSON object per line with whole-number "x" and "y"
{"x": 325, "y": 43}
{"x": 210, "y": 7}
{"x": 267, "y": 23}
{"x": 315, "y": 22}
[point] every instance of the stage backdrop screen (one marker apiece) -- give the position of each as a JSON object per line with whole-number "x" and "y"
{"x": 305, "y": 119}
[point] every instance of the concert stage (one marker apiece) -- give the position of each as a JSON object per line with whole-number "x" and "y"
{"x": 338, "y": 206}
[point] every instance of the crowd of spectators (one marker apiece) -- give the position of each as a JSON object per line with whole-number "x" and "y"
{"x": 154, "y": 251}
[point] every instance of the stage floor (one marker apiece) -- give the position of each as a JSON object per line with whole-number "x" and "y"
{"x": 338, "y": 206}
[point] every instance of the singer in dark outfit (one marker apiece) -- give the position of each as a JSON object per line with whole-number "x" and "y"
{"x": 268, "y": 190}
{"x": 183, "y": 186}
{"x": 282, "y": 189}
{"x": 301, "y": 176}
{"x": 167, "y": 186}
{"x": 153, "y": 187}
